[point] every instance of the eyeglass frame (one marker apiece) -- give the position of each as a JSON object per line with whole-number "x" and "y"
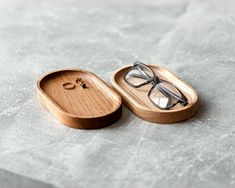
{"x": 155, "y": 80}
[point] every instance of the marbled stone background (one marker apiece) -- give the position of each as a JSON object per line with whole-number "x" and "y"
{"x": 195, "y": 39}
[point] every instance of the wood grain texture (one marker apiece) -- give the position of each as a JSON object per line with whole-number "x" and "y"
{"x": 95, "y": 106}
{"x": 137, "y": 101}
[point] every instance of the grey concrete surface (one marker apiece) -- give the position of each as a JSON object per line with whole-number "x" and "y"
{"x": 195, "y": 39}
{"x": 12, "y": 180}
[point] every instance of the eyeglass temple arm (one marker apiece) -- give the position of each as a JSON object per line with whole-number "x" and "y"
{"x": 165, "y": 93}
{"x": 143, "y": 77}
{"x": 138, "y": 76}
{"x": 143, "y": 72}
{"x": 182, "y": 100}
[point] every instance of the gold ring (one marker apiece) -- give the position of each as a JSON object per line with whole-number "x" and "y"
{"x": 68, "y": 86}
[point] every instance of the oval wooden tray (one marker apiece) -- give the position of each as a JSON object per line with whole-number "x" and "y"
{"x": 137, "y": 101}
{"x": 85, "y": 108}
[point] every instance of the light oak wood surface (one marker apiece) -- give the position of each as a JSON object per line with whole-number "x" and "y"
{"x": 92, "y": 107}
{"x": 137, "y": 101}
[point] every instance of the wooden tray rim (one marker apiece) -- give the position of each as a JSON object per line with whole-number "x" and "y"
{"x": 123, "y": 92}
{"x": 39, "y": 89}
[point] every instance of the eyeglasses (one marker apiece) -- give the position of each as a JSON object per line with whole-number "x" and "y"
{"x": 163, "y": 94}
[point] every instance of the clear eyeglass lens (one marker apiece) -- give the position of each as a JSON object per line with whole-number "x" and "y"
{"x": 138, "y": 75}
{"x": 160, "y": 95}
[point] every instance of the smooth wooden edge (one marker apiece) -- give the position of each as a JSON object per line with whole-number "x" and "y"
{"x": 81, "y": 122}
{"x": 159, "y": 115}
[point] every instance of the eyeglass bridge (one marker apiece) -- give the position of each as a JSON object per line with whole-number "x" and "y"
{"x": 154, "y": 80}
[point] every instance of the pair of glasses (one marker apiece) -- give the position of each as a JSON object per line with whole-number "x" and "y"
{"x": 163, "y": 94}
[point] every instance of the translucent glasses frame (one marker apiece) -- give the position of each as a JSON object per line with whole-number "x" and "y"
{"x": 163, "y": 94}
